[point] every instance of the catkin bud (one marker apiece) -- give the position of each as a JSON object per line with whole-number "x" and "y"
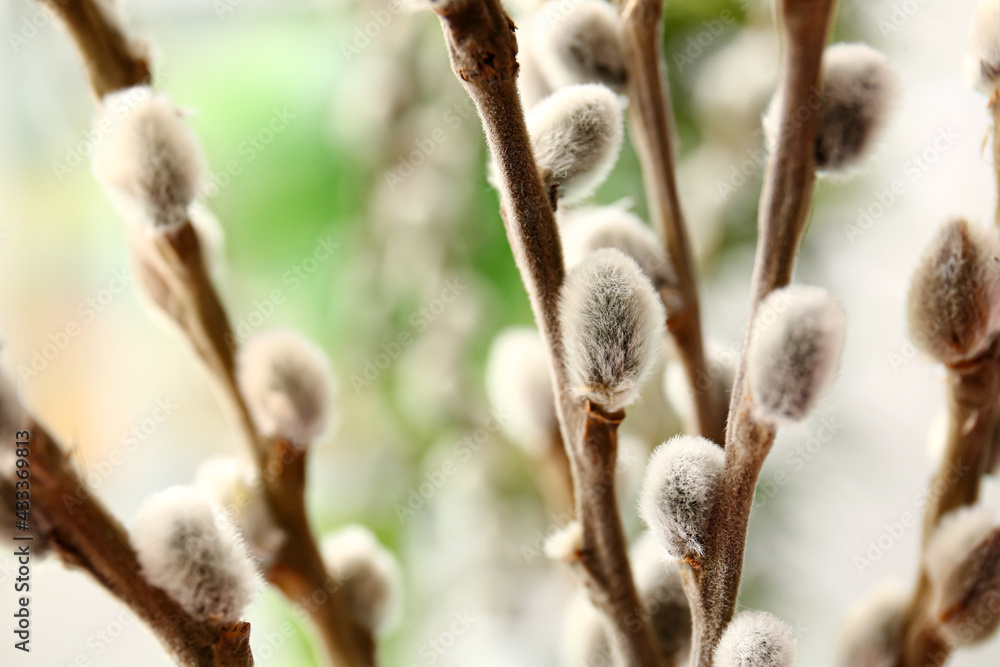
{"x": 873, "y": 631}
{"x": 585, "y": 636}
{"x": 369, "y": 574}
{"x": 236, "y": 487}
{"x": 658, "y": 582}
{"x": 857, "y": 94}
{"x": 566, "y": 543}
{"x": 963, "y": 565}
{"x": 287, "y": 384}
{"x": 188, "y": 547}
{"x": 613, "y": 322}
{"x": 798, "y": 335}
{"x": 679, "y": 492}
{"x": 151, "y": 163}
{"x": 982, "y": 64}
{"x": 582, "y": 44}
{"x": 954, "y": 300}
{"x": 519, "y": 386}
{"x": 756, "y": 639}
{"x": 614, "y": 227}
{"x": 576, "y": 133}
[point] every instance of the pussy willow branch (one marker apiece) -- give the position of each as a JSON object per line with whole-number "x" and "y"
{"x": 973, "y": 388}
{"x": 483, "y": 50}
{"x": 171, "y": 264}
{"x": 110, "y": 62}
{"x": 651, "y": 124}
{"x": 783, "y": 211}
{"x": 83, "y": 533}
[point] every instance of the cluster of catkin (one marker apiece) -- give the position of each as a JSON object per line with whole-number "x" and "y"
{"x": 620, "y": 287}
{"x": 209, "y": 546}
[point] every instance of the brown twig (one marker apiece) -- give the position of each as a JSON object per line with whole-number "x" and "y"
{"x": 112, "y": 60}
{"x": 972, "y": 412}
{"x": 83, "y": 533}
{"x": 782, "y": 215}
{"x": 651, "y": 124}
{"x": 483, "y": 50}
{"x": 994, "y": 107}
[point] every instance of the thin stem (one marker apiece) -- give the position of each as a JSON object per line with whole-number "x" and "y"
{"x": 483, "y": 49}
{"x": 650, "y": 121}
{"x": 972, "y": 413}
{"x": 782, "y": 215}
{"x": 112, "y": 61}
{"x": 85, "y": 535}
{"x": 995, "y": 111}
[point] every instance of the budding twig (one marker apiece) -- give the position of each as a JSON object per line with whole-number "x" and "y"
{"x": 782, "y": 214}
{"x": 651, "y": 118}
{"x": 84, "y": 534}
{"x": 483, "y": 50}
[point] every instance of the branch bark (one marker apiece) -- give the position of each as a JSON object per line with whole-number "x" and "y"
{"x": 483, "y": 50}
{"x": 83, "y": 533}
{"x": 784, "y": 207}
{"x": 651, "y": 124}
{"x": 972, "y": 412}
{"x": 112, "y": 60}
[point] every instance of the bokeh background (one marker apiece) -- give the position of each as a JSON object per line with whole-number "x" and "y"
{"x": 355, "y": 87}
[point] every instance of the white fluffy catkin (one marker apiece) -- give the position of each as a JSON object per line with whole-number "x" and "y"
{"x": 756, "y": 639}
{"x": 235, "y": 486}
{"x": 150, "y": 161}
{"x": 679, "y": 492}
{"x": 858, "y": 92}
{"x": 963, "y": 565}
{"x": 615, "y": 227}
{"x": 954, "y": 301}
{"x": 576, "y": 133}
{"x": 982, "y": 63}
{"x": 287, "y": 384}
{"x": 796, "y": 343}
{"x": 188, "y": 547}
{"x": 581, "y": 43}
{"x": 872, "y": 633}
{"x": 519, "y": 386}
{"x": 369, "y": 574}
{"x": 613, "y": 324}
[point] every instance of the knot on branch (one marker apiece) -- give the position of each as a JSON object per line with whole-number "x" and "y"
{"x": 481, "y": 40}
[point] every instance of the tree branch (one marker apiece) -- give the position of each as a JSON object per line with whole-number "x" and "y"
{"x": 650, "y": 121}
{"x": 84, "y": 534}
{"x": 483, "y": 50}
{"x": 783, "y": 211}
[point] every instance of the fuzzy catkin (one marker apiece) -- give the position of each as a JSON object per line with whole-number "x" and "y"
{"x": 287, "y": 384}
{"x": 954, "y": 301}
{"x": 798, "y": 335}
{"x": 576, "y": 133}
{"x": 519, "y": 386}
{"x": 613, "y": 322}
{"x": 756, "y": 639}
{"x": 679, "y": 493}
{"x": 872, "y": 633}
{"x": 151, "y": 162}
{"x": 858, "y": 92}
{"x": 581, "y": 44}
{"x": 963, "y": 564}
{"x": 615, "y": 227}
{"x": 188, "y": 547}
{"x": 369, "y": 574}
{"x": 982, "y": 65}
